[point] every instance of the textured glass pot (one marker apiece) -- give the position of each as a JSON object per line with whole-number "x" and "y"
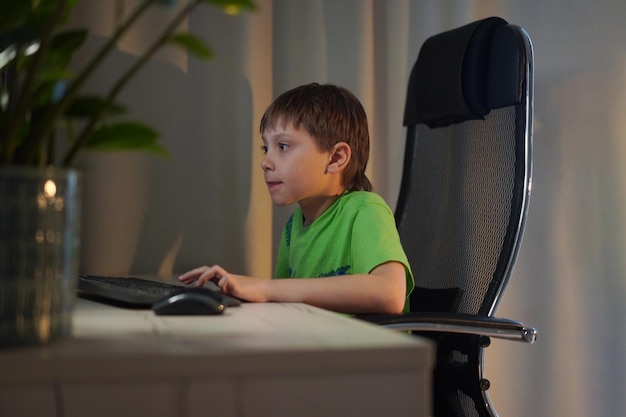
{"x": 39, "y": 253}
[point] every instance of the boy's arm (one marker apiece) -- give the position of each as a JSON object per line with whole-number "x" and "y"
{"x": 383, "y": 290}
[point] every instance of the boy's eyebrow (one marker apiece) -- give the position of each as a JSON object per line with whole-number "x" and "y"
{"x": 278, "y": 136}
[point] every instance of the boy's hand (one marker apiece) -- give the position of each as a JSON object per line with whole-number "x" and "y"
{"x": 203, "y": 274}
{"x": 246, "y": 288}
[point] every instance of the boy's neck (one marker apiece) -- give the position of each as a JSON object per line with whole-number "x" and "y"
{"x": 313, "y": 208}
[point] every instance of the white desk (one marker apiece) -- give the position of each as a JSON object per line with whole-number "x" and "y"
{"x": 255, "y": 360}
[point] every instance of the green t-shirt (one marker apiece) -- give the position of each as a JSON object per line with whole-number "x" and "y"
{"x": 353, "y": 236}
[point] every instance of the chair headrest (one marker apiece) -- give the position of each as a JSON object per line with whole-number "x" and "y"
{"x": 459, "y": 74}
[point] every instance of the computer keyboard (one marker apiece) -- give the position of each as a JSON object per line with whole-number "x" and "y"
{"x": 133, "y": 290}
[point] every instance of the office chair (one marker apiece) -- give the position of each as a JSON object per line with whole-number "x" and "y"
{"x": 463, "y": 200}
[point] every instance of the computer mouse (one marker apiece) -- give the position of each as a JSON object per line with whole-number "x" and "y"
{"x": 190, "y": 301}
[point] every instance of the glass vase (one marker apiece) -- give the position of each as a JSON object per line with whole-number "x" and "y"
{"x": 39, "y": 253}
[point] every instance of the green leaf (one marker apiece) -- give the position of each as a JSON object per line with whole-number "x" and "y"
{"x": 69, "y": 41}
{"x": 56, "y": 61}
{"x": 62, "y": 47}
{"x": 233, "y": 7}
{"x": 23, "y": 20}
{"x": 44, "y": 9}
{"x": 88, "y": 106}
{"x": 128, "y": 136}
{"x": 192, "y": 44}
{"x": 42, "y": 95}
{"x": 52, "y": 75}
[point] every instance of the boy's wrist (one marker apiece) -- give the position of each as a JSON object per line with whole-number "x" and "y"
{"x": 265, "y": 288}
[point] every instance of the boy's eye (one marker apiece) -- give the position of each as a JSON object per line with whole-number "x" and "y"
{"x": 280, "y": 146}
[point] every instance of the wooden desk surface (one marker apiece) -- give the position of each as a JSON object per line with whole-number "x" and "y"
{"x": 253, "y": 355}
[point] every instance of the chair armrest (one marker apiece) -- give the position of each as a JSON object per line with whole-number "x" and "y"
{"x": 455, "y": 323}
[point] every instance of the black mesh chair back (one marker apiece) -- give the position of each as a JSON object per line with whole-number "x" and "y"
{"x": 467, "y": 168}
{"x": 464, "y": 198}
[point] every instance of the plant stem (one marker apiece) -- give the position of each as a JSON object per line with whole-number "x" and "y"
{"x": 125, "y": 78}
{"x": 18, "y": 111}
{"x": 47, "y": 123}
{"x": 11, "y": 88}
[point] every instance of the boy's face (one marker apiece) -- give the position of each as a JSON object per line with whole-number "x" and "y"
{"x": 294, "y": 167}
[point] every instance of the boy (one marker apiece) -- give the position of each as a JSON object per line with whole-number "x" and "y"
{"x": 316, "y": 145}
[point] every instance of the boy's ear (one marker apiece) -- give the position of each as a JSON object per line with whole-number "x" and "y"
{"x": 339, "y": 157}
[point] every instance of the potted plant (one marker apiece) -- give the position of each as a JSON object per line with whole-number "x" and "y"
{"x": 46, "y": 120}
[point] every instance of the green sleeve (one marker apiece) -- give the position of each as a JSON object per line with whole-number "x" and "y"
{"x": 375, "y": 241}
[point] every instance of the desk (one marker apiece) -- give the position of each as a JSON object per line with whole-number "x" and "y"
{"x": 268, "y": 360}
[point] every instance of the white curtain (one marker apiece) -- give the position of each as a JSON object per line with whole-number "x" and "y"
{"x": 208, "y": 203}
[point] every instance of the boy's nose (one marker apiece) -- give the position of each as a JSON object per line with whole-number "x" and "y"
{"x": 266, "y": 164}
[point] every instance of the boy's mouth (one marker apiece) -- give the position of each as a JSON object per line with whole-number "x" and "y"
{"x": 272, "y": 184}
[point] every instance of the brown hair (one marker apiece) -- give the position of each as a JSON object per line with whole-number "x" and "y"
{"x": 330, "y": 114}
